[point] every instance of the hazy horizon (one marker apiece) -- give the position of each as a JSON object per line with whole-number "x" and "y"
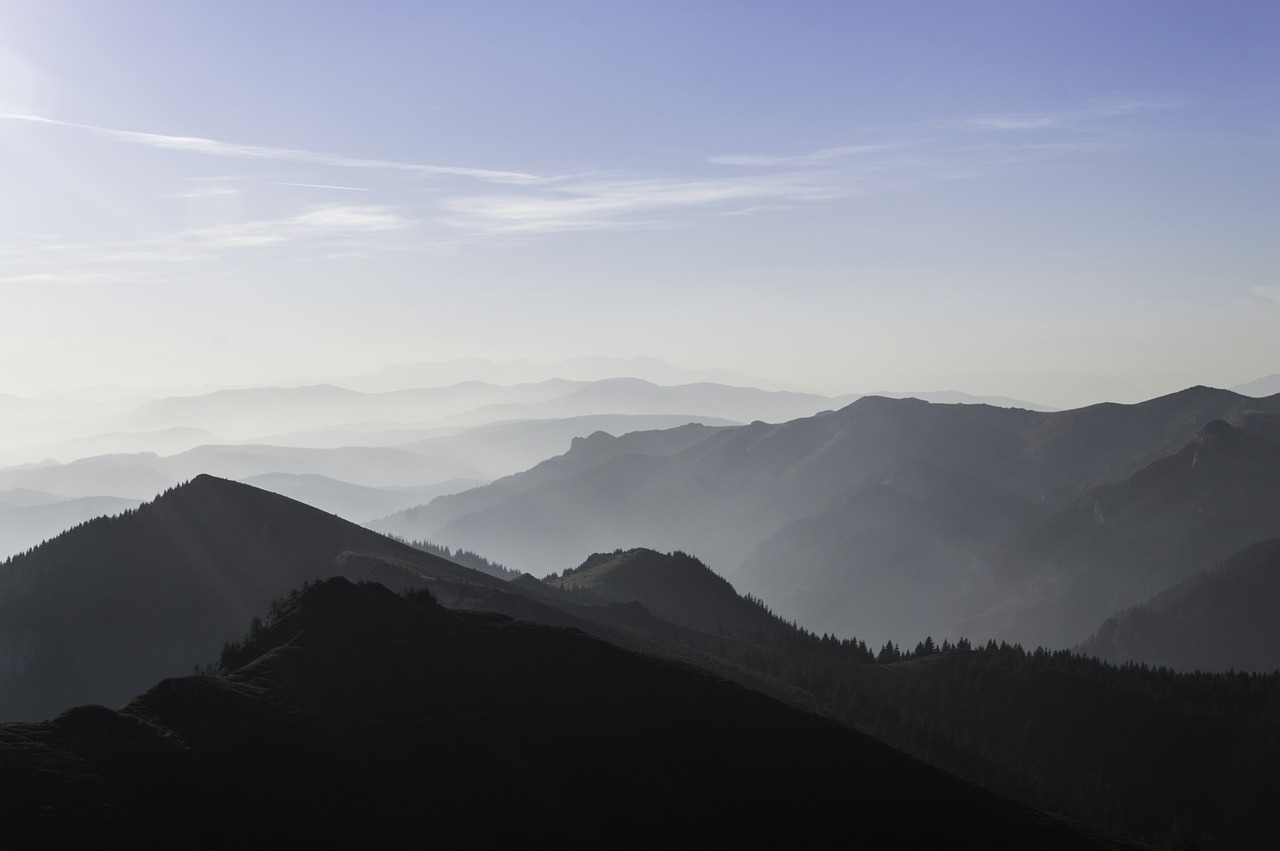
{"x": 1058, "y": 202}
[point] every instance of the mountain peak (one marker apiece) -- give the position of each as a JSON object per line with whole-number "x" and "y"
{"x": 1218, "y": 432}
{"x": 215, "y": 552}
{"x": 674, "y": 586}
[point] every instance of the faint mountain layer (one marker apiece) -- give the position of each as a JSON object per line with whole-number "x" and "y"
{"x": 1266, "y": 386}
{"x": 352, "y": 502}
{"x": 143, "y": 475}
{"x": 25, "y": 526}
{"x": 403, "y": 376}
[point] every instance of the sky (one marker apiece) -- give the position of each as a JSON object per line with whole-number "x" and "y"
{"x": 1064, "y": 202}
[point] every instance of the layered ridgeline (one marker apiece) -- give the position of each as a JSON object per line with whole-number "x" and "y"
{"x": 1179, "y": 758}
{"x": 1223, "y": 619}
{"x": 362, "y": 455}
{"x": 893, "y": 518}
{"x": 1089, "y": 740}
{"x": 353, "y": 717}
{"x": 104, "y": 610}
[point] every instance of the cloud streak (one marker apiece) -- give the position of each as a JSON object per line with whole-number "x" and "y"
{"x": 903, "y": 158}
{"x": 213, "y": 147}
{"x": 608, "y": 204}
{"x": 1069, "y": 118}
{"x": 344, "y": 229}
{"x": 822, "y": 157}
{"x": 938, "y": 146}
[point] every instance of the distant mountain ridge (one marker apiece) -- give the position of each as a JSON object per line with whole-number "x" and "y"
{"x": 1266, "y": 386}
{"x": 1121, "y": 543}
{"x": 882, "y": 494}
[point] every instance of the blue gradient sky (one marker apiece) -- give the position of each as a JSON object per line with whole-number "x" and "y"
{"x": 1063, "y": 202}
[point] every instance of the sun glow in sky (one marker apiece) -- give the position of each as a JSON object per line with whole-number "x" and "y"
{"x": 1062, "y": 202}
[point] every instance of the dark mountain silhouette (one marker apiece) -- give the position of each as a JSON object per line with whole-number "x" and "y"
{"x": 1220, "y": 620}
{"x": 116, "y": 603}
{"x": 1128, "y": 748}
{"x": 825, "y": 516}
{"x": 92, "y": 611}
{"x": 676, "y": 587}
{"x": 353, "y": 717}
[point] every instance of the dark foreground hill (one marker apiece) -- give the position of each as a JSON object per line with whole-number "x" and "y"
{"x": 106, "y": 609}
{"x": 1125, "y": 749}
{"x": 354, "y": 717}
{"x": 1146, "y": 752}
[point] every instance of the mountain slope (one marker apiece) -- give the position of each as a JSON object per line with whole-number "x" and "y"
{"x": 1126, "y": 748}
{"x": 584, "y": 453}
{"x": 116, "y": 603}
{"x": 357, "y": 717}
{"x": 1122, "y": 543}
{"x": 675, "y": 587}
{"x": 824, "y": 516}
{"x": 1219, "y": 620}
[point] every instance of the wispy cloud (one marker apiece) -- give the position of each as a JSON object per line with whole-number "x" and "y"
{"x": 320, "y": 223}
{"x": 319, "y": 186}
{"x": 1068, "y": 118}
{"x": 213, "y": 147}
{"x": 887, "y": 160}
{"x": 212, "y": 192}
{"x": 321, "y": 231}
{"x": 898, "y": 158}
{"x": 825, "y": 156}
{"x": 607, "y": 204}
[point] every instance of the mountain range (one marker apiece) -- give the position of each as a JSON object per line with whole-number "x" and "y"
{"x": 153, "y": 593}
{"x": 896, "y": 518}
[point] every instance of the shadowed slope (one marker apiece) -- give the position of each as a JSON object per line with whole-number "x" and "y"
{"x": 1223, "y": 619}
{"x": 364, "y": 718}
{"x": 677, "y": 588}
{"x": 1122, "y": 543}
{"x": 116, "y": 603}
